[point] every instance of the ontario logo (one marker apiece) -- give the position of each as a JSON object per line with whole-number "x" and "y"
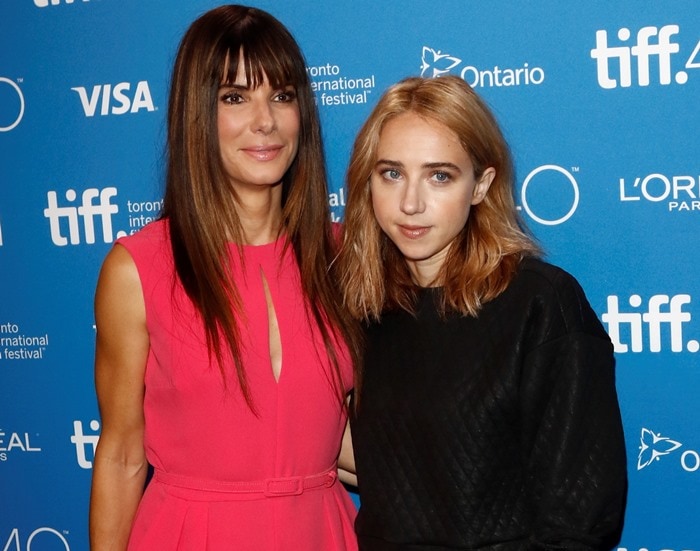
{"x": 435, "y": 63}
{"x": 653, "y": 446}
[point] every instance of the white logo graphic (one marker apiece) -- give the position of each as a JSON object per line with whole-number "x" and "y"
{"x": 654, "y": 318}
{"x": 434, "y": 63}
{"x": 649, "y": 549}
{"x": 87, "y": 211}
{"x": 652, "y": 42}
{"x": 20, "y": 114}
{"x": 45, "y": 3}
{"x": 115, "y": 100}
{"x": 85, "y": 442}
{"x": 681, "y": 193}
{"x": 566, "y": 211}
{"x": 652, "y": 447}
{"x": 15, "y": 442}
{"x": 15, "y": 541}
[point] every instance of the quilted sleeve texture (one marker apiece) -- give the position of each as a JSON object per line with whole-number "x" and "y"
{"x": 576, "y": 464}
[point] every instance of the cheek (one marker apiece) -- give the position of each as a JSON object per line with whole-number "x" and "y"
{"x": 381, "y": 205}
{"x": 458, "y": 213}
{"x": 292, "y": 124}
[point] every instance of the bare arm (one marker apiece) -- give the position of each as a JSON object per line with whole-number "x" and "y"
{"x": 121, "y": 351}
{"x": 346, "y": 460}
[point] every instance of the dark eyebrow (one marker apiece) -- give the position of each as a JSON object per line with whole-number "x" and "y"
{"x": 234, "y": 86}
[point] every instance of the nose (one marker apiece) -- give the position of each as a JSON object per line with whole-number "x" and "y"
{"x": 411, "y": 198}
{"x": 263, "y": 117}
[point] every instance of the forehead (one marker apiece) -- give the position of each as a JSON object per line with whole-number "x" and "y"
{"x": 409, "y": 135}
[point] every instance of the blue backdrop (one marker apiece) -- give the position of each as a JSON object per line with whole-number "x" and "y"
{"x": 599, "y": 101}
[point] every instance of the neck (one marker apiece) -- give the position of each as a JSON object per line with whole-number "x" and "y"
{"x": 260, "y": 213}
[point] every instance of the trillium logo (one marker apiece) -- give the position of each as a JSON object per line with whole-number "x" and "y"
{"x": 653, "y": 446}
{"x": 434, "y": 63}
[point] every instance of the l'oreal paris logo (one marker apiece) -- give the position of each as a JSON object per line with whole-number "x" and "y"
{"x": 680, "y": 193}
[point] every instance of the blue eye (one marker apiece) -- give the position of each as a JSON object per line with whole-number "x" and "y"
{"x": 441, "y": 176}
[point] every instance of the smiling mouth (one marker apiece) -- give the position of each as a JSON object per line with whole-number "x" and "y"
{"x": 263, "y": 153}
{"x": 414, "y": 232}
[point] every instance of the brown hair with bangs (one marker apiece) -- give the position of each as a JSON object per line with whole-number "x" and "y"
{"x": 483, "y": 258}
{"x": 199, "y": 203}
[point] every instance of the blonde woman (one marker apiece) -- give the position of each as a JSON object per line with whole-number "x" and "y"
{"x": 486, "y": 414}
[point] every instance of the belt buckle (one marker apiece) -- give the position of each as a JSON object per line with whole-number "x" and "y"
{"x": 278, "y": 487}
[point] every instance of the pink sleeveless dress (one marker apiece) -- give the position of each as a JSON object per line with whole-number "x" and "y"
{"x": 225, "y": 478}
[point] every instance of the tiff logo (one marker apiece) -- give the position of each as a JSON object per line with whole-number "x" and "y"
{"x": 45, "y": 3}
{"x": 85, "y": 443}
{"x": 661, "y": 311}
{"x": 87, "y": 211}
{"x": 115, "y": 100}
{"x": 662, "y": 48}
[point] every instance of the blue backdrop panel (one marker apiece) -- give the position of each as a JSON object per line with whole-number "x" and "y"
{"x": 599, "y": 102}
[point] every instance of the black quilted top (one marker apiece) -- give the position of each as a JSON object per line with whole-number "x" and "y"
{"x": 501, "y": 432}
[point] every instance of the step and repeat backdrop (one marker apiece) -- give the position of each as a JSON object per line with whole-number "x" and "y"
{"x": 600, "y": 102}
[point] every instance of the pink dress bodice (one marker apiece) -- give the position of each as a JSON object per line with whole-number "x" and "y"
{"x": 227, "y": 477}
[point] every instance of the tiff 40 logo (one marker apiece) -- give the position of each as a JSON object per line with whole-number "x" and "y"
{"x": 653, "y": 446}
{"x": 62, "y": 218}
{"x": 652, "y": 43}
{"x": 661, "y": 312}
{"x": 85, "y": 444}
{"x": 42, "y": 535}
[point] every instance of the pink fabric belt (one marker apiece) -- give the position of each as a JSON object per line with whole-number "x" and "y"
{"x": 270, "y": 487}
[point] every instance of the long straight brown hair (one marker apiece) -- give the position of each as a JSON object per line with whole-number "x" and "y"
{"x": 200, "y": 205}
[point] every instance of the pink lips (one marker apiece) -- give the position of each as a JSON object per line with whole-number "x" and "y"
{"x": 263, "y": 153}
{"x": 414, "y": 232}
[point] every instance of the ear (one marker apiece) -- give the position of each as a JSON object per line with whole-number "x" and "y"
{"x": 482, "y": 186}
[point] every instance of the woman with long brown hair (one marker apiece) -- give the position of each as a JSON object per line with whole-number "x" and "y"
{"x": 223, "y": 359}
{"x": 486, "y": 415}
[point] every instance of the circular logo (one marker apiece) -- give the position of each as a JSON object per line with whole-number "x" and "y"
{"x": 556, "y": 204}
{"x": 16, "y": 121}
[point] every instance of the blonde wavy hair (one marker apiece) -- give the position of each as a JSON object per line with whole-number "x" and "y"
{"x": 483, "y": 258}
